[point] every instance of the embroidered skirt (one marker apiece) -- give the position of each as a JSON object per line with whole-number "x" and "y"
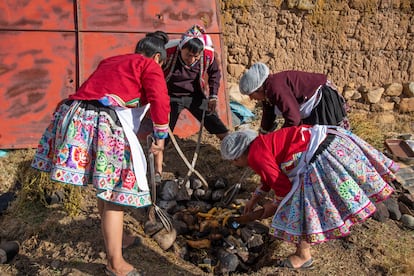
{"x": 85, "y": 144}
{"x": 336, "y": 191}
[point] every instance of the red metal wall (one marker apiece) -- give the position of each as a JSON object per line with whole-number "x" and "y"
{"x": 48, "y": 48}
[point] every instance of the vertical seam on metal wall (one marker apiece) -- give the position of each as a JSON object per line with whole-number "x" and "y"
{"x": 77, "y": 42}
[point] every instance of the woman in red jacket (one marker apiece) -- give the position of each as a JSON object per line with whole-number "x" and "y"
{"x": 92, "y": 137}
{"x": 324, "y": 178}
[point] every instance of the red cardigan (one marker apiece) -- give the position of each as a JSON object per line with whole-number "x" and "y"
{"x": 135, "y": 79}
{"x": 273, "y": 154}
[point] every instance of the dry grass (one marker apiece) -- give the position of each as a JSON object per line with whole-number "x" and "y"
{"x": 368, "y": 130}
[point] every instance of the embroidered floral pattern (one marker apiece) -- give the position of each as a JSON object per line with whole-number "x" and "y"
{"x": 92, "y": 148}
{"x": 335, "y": 192}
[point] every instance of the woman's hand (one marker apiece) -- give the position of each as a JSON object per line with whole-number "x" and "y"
{"x": 212, "y": 104}
{"x": 269, "y": 209}
{"x": 157, "y": 148}
{"x": 249, "y": 207}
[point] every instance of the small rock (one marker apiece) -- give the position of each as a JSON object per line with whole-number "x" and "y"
{"x": 183, "y": 193}
{"x": 199, "y": 192}
{"x": 169, "y": 190}
{"x": 152, "y": 227}
{"x": 181, "y": 227}
{"x": 404, "y": 209}
{"x": 407, "y": 199}
{"x": 393, "y": 208}
{"x": 198, "y": 206}
{"x": 393, "y": 89}
{"x": 55, "y": 264}
{"x": 228, "y": 262}
{"x": 5, "y": 200}
{"x": 165, "y": 239}
{"x": 72, "y": 272}
{"x": 220, "y": 183}
{"x": 195, "y": 183}
{"x": 382, "y": 213}
{"x": 255, "y": 243}
{"x": 217, "y": 195}
{"x": 168, "y": 206}
{"x": 408, "y": 221}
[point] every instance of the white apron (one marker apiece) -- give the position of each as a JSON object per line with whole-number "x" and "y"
{"x": 130, "y": 119}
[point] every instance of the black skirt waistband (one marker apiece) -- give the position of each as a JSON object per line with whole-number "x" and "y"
{"x": 324, "y": 145}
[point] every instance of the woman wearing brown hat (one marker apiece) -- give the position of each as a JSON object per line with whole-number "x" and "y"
{"x": 300, "y": 97}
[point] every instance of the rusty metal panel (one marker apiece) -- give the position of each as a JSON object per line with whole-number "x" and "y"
{"x": 146, "y": 15}
{"x": 37, "y": 70}
{"x": 95, "y": 46}
{"x": 48, "y": 48}
{"x": 37, "y": 14}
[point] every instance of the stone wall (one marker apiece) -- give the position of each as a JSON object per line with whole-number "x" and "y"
{"x": 363, "y": 46}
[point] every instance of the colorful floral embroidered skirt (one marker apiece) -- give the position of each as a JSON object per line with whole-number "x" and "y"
{"x": 336, "y": 191}
{"x": 86, "y": 144}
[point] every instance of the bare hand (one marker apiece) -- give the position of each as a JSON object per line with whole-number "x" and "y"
{"x": 269, "y": 210}
{"x": 212, "y": 104}
{"x": 248, "y": 208}
{"x": 156, "y": 149}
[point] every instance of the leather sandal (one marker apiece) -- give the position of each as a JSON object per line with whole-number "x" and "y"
{"x": 288, "y": 264}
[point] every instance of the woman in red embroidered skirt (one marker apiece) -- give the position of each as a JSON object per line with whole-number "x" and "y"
{"x": 92, "y": 137}
{"x": 325, "y": 179}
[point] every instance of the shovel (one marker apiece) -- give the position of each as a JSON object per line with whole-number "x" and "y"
{"x": 165, "y": 237}
{"x": 155, "y": 210}
{"x": 233, "y": 190}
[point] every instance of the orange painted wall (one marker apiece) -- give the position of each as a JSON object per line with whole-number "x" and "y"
{"x": 48, "y": 48}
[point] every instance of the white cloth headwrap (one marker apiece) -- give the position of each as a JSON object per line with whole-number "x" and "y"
{"x": 253, "y": 78}
{"x": 236, "y": 143}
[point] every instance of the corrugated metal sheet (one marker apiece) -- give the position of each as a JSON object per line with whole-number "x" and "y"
{"x": 48, "y": 48}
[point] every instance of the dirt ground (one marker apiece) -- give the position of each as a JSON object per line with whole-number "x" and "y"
{"x": 54, "y": 243}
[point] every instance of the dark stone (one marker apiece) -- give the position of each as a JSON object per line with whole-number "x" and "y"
{"x": 228, "y": 262}
{"x": 152, "y": 227}
{"x": 393, "y": 208}
{"x": 8, "y": 250}
{"x": 408, "y": 221}
{"x": 196, "y": 183}
{"x": 258, "y": 227}
{"x": 382, "y": 213}
{"x": 217, "y": 195}
{"x": 180, "y": 247}
{"x": 168, "y": 206}
{"x": 198, "y": 206}
{"x": 183, "y": 193}
{"x": 5, "y": 200}
{"x": 199, "y": 193}
{"x": 56, "y": 197}
{"x": 255, "y": 244}
{"x": 169, "y": 190}
{"x": 404, "y": 209}
{"x": 220, "y": 183}
{"x": 407, "y": 199}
